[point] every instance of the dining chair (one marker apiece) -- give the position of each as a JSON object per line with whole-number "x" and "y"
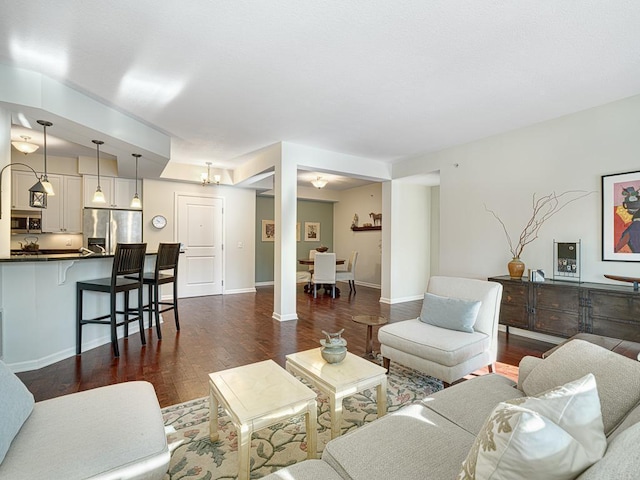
{"x": 324, "y": 273}
{"x": 349, "y": 274}
{"x": 165, "y": 271}
{"x": 126, "y": 276}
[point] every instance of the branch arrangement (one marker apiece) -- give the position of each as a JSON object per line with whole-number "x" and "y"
{"x": 543, "y": 209}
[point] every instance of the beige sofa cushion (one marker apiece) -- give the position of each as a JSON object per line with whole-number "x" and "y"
{"x": 621, "y": 461}
{"x": 555, "y": 436}
{"x": 439, "y": 345}
{"x": 617, "y": 377}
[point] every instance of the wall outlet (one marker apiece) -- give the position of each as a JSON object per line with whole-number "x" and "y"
{"x": 240, "y": 244}
{"x": 68, "y": 244}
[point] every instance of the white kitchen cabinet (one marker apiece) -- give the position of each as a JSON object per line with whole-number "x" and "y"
{"x": 64, "y": 209}
{"x": 21, "y": 182}
{"x": 118, "y": 192}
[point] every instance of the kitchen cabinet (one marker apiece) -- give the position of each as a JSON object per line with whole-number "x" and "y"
{"x": 64, "y": 209}
{"x": 21, "y": 182}
{"x": 118, "y": 192}
{"x": 563, "y": 309}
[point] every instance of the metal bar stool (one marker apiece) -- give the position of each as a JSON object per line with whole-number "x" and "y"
{"x": 128, "y": 260}
{"x": 166, "y": 260}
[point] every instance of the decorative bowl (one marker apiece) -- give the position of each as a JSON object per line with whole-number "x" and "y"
{"x": 322, "y": 249}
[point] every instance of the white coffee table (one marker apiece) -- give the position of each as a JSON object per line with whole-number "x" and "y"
{"x": 256, "y": 396}
{"x": 339, "y": 380}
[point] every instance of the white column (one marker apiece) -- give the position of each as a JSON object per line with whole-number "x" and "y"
{"x": 285, "y": 205}
{"x": 5, "y": 159}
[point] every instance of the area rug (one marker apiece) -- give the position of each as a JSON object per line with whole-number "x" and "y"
{"x": 195, "y": 457}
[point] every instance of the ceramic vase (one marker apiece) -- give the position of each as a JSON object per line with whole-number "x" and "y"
{"x": 516, "y": 268}
{"x": 334, "y": 347}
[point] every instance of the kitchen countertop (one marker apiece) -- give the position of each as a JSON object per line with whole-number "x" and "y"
{"x": 49, "y": 257}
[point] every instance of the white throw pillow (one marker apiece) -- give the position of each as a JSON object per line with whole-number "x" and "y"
{"x": 448, "y": 312}
{"x": 554, "y": 436}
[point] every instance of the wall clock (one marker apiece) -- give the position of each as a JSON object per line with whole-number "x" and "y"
{"x": 159, "y": 221}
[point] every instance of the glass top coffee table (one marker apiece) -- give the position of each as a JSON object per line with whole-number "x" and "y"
{"x": 339, "y": 380}
{"x": 256, "y": 396}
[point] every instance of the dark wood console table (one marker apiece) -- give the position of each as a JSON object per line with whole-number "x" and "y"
{"x": 563, "y": 309}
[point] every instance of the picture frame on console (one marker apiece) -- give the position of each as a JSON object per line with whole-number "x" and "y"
{"x": 567, "y": 261}
{"x": 621, "y": 217}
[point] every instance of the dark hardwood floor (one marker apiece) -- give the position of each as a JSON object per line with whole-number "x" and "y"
{"x": 225, "y": 331}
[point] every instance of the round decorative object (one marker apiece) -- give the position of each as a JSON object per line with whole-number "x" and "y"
{"x": 334, "y": 347}
{"x": 159, "y": 221}
{"x": 322, "y": 249}
{"x": 516, "y": 268}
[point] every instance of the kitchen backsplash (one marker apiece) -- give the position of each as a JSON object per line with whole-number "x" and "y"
{"x": 48, "y": 241}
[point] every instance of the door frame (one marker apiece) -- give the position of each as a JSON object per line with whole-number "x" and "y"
{"x": 176, "y": 197}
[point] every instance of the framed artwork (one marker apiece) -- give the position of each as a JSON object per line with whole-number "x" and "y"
{"x": 566, "y": 260}
{"x": 311, "y": 231}
{"x": 621, "y": 217}
{"x": 298, "y": 232}
{"x": 268, "y": 230}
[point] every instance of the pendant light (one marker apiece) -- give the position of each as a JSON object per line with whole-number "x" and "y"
{"x": 319, "y": 182}
{"x": 45, "y": 179}
{"x": 206, "y": 178}
{"x": 135, "y": 202}
{"x": 24, "y": 146}
{"x": 98, "y": 196}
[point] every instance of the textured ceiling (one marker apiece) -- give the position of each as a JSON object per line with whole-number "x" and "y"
{"x": 378, "y": 79}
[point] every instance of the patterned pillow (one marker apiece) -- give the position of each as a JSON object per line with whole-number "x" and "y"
{"x": 554, "y": 436}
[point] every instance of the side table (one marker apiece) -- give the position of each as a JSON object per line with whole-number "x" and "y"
{"x": 370, "y": 321}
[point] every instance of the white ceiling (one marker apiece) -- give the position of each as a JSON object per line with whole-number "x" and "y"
{"x": 379, "y": 79}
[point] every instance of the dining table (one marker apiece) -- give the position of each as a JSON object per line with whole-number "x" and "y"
{"x": 310, "y": 261}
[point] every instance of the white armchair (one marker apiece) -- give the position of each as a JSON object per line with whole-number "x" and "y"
{"x": 447, "y": 353}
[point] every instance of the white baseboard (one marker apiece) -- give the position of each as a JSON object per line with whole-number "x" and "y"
{"x": 392, "y": 301}
{"x": 265, "y": 284}
{"x": 533, "y": 335}
{"x": 284, "y": 318}
{"x": 239, "y": 290}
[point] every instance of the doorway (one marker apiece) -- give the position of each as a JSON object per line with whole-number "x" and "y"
{"x": 200, "y": 230}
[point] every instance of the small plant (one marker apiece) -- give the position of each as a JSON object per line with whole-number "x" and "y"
{"x": 543, "y": 209}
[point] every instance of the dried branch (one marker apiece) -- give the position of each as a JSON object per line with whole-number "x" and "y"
{"x": 543, "y": 209}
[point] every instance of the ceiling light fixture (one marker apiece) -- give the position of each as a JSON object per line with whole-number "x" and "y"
{"x": 135, "y": 202}
{"x": 319, "y": 182}
{"x": 206, "y": 177}
{"x": 98, "y": 196}
{"x": 45, "y": 179}
{"x": 24, "y": 146}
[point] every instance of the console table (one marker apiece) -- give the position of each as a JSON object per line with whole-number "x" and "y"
{"x": 563, "y": 309}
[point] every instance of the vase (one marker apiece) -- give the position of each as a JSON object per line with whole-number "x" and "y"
{"x": 334, "y": 347}
{"x": 516, "y": 268}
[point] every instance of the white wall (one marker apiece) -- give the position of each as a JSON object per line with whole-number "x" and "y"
{"x": 504, "y": 171}
{"x": 239, "y": 224}
{"x": 361, "y": 200}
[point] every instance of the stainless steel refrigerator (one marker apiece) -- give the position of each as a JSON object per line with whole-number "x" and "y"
{"x": 104, "y": 228}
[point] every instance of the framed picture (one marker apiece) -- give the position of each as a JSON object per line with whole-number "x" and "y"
{"x": 311, "y": 232}
{"x": 268, "y": 230}
{"x": 621, "y": 217}
{"x": 298, "y": 232}
{"x": 566, "y": 260}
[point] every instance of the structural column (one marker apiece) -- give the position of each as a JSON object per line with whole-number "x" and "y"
{"x": 5, "y": 159}
{"x": 285, "y": 206}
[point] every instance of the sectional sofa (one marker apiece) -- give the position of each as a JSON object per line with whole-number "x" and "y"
{"x": 575, "y": 414}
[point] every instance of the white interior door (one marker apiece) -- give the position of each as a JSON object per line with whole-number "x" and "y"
{"x": 200, "y": 232}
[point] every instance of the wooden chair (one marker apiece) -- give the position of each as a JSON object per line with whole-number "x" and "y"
{"x": 126, "y": 275}
{"x": 324, "y": 272}
{"x": 165, "y": 271}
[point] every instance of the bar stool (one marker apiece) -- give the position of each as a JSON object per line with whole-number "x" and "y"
{"x": 127, "y": 261}
{"x": 167, "y": 259}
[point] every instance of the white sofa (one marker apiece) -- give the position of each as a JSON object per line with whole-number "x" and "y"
{"x": 431, "y": 439}
{"x": 108, "y": 433}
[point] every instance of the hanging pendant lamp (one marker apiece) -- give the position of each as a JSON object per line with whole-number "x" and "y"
{"x": 135, "y": 202}
{"x": 98, "y": 196}
{"x": 45, "y": 179}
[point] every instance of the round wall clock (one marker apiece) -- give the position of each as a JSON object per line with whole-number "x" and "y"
{"x": 159, "y": 221}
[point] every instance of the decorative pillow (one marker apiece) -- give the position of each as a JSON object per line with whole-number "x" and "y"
{"x": 16, "y": 404}
{"x": 450, "y": 313}
{"x": 555, "y": 436}
{"x": 618, "y": 377}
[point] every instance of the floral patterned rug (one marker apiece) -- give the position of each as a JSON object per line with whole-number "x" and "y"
{"x": 195, "y": 457}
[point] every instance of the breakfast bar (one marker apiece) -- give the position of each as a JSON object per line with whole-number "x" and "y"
{"x": 38, "y": 307}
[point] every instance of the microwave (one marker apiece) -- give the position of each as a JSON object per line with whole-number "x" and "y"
{"x": 26, "y": 222}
